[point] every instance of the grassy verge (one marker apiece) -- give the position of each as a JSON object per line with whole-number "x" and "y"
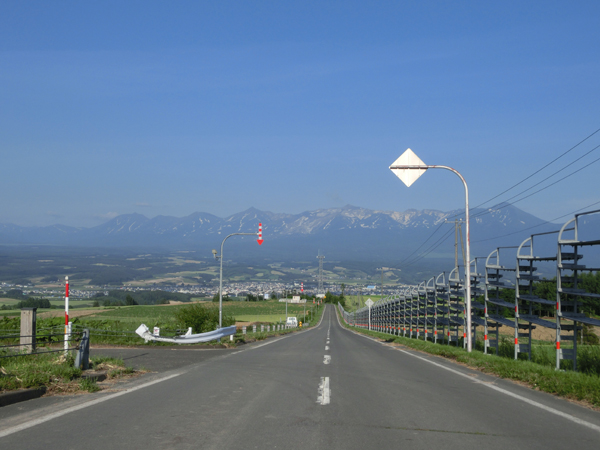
{"x": 571, "y": 385}
{"x": 55, "y": 372}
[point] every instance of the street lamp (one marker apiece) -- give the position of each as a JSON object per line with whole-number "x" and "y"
{"x": 409, "y": 167}
{"x": 220, "y": 256}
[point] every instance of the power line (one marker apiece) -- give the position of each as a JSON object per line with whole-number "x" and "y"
{"x": 425, "y": 242}
{"x": 501, "y": 206}
{"x": 431, "y": 248}
{"x": 408, "y": 262}
{"x": 540, "y": 224}
{"x": 504, "y": 204}
{"x": 539, "y": 170}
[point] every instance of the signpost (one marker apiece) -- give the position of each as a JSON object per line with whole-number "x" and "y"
{"x": 409, "y": 167}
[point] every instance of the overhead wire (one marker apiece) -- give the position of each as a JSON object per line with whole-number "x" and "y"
{"x": 507, "y": 203}
{"x": 540, "y": 224}
{"x": 539, "y": 170}
{"x": 408, "y": 262}
{"x": 430, "y": 249}
{"x": 425, "y": 242}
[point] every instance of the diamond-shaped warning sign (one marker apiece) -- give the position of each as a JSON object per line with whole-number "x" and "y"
{"x": 406, "y": 169}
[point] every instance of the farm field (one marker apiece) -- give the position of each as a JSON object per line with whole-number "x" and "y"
{"x": 132, "y": 316}
{"x": 264, "y": 311}
{"x": 60, "y": 304}
{"x": 96, "y": 269}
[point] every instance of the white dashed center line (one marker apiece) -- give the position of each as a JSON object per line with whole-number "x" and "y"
{"x": 324, "y": 392}
{"x": 327, "y": 359}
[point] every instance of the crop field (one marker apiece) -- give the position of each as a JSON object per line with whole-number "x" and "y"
{"x": 264, "y": 311}
{"x": 354, "y": 302}
{"x": 60, "y": 304}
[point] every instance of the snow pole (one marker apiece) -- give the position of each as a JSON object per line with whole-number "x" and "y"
{"x": 67, "y": 337}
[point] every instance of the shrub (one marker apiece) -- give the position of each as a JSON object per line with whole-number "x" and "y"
{"x": 201, "y": 318}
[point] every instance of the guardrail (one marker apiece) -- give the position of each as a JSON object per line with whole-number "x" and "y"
{"x": 80, "y": 341}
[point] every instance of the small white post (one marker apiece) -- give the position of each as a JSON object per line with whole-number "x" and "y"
{"x": 67, "y": 331}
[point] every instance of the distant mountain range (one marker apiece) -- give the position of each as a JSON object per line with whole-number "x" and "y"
{"x": 346, "y": 234}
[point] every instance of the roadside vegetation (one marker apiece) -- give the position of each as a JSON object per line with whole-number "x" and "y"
{"x": 538, "y": 375}
{"x": 117, "y": 325}
{"x": 56, "y": 373}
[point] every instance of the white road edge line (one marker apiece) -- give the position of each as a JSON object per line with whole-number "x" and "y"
{"x": 491, "y": 386}
{"x": 327, "y": 359}
{"x": 324, "y": 392}
{"x": 57, "y": 414}
{"x": 511, "y": 394}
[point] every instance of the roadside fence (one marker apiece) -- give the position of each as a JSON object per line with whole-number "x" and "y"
{"x": 503, "y": 295}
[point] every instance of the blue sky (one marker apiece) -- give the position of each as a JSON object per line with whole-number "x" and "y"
{"x": 174, "y": 107}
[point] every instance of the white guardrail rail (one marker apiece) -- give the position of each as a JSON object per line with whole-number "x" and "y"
{"x": 187, "y": 338}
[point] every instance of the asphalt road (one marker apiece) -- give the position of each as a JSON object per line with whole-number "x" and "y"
{"x": 324, "y": 388}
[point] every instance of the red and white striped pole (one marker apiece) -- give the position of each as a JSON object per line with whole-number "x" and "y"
{"x": 302, "y": 287}
{"x": 66, "y": 313}
{"x": 260, "y": 239}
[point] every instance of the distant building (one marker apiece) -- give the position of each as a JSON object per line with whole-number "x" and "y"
{"x": 371, "y": 288}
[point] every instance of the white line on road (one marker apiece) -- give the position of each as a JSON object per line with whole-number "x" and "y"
{"x": 491, "y": 386}
{"x": 35, "y": 422}
{"x": 326, "y": 347}
{"x": 511, "y": 394}
{"x": 327, "y": 359}
{"x": 324, "y": 392}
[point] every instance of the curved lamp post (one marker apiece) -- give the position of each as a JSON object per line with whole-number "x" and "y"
{"x": 408, "y": 167}
{"x": 220, "y": 256}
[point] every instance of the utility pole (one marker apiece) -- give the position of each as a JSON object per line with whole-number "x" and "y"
{"x": 359, "y": 297}
{"x": 382, "y": 282}
{"x": 458, "y": 232}
{"x": 320, "y": 288}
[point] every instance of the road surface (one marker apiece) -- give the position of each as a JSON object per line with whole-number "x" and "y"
{"x": 322, "y": 388}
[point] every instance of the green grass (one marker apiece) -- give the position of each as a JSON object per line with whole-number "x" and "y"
{"x": 569, "y": 384}
{"x": 88, "y": 384}
{"x": 35, "y": 371}
{"x": 52, "y": 370}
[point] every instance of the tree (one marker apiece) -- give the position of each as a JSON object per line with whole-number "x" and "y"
{"x": 201, "y": 318}
{"x": 34, "y": 303}
{"x": 130, "y": 301}
{"x": 216, "y": 297}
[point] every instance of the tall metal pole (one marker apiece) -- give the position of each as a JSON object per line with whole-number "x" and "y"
{"x": 468, "y": 246}
{"x": 221, "y": 272}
